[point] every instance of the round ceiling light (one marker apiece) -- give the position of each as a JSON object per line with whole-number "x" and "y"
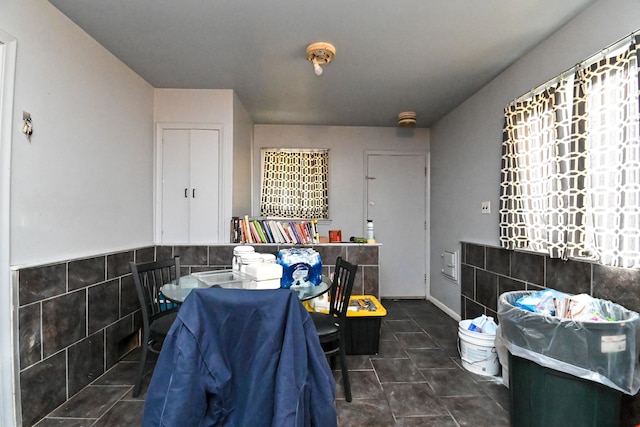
{"x": 407, "y": 119}
{"x": 320, "y": 53}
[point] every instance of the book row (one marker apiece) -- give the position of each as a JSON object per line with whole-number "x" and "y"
{"x": 247, "y": 230}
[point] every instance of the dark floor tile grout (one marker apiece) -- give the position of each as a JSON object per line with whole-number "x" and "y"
{"x": 401, "y": 402}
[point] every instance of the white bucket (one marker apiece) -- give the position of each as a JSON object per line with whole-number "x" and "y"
{"x": 477, "y": 351}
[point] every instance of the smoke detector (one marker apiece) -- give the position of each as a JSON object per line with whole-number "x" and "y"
{"x": 407, "y": 119}
{"x": 320, "y": 53}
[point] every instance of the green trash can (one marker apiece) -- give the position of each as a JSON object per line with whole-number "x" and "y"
{"x": 568, "y": 373}
{"x": 545, "y": 397}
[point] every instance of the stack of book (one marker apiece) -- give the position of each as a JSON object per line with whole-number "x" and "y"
{"x": 247, "y": 230}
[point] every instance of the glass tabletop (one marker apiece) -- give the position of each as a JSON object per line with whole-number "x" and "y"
{"x": 178, "y": 290}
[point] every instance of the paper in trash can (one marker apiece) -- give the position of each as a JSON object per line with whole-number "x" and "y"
{"x": 602, "y": 351}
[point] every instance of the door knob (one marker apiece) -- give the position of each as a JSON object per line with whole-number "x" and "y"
{"x": 372, "y": 203}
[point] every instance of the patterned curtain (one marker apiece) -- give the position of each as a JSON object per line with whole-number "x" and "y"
{"x": 533, "y": 186}
{"x": 295, "y": 184}
{"x": 606, "y": 117}
{"x": 571, "y": 167}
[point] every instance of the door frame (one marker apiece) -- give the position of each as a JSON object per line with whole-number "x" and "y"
{"x": 10, "y": 413}
{"x": 427, "y": 234}
{"x": 157, "y": 179}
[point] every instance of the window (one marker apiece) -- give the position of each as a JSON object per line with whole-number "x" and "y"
{"x": 571, "y": 165}
{"x": 295, "y": 183}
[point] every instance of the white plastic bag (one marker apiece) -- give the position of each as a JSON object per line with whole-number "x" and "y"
{"x": 483, "y": 324}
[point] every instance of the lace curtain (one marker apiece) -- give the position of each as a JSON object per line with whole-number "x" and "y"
{"x": 571, "y": 166}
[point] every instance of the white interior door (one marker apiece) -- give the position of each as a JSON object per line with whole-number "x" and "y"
{"x": 176, "y": 189}
{"x": 396, "y": 202}
{"x": 204, "y": 179}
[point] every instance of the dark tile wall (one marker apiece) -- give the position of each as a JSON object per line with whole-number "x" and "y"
{"x": 77, "y": 318}
{"x": 199, "y": 258}
{"x": 487, "y": 272}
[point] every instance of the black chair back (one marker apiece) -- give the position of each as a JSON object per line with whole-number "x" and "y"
{"x": 149, "y": 278}
{"x": 158, "y": 314}
{"x": 331, "y": 326}
{"x": 341, "y": 288}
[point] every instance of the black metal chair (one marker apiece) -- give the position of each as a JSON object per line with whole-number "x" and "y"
{"x": 158, "y": 313}
{"x": 331, "y": 326}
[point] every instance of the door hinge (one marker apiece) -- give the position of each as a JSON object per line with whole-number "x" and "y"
{"x": 425, "y": 278}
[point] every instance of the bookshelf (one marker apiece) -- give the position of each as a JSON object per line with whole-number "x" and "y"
{"x": 254, "y": 230}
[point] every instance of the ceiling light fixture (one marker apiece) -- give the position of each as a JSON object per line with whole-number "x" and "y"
{"x": 320, "y": 53}
{"x": 407, "y": 119}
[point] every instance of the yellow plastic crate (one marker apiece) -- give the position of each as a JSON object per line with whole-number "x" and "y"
{"x": 362, "y": 331}
{"x": 363, "y": 311}
{"x": 355, "y": 308}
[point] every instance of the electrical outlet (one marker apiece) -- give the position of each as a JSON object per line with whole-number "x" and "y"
{"x": 486, "y": 207}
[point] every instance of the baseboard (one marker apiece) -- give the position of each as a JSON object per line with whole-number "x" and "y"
{"x": 444, "y": 308}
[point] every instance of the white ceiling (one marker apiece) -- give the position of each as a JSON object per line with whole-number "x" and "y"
{"x": 421, "y": 55}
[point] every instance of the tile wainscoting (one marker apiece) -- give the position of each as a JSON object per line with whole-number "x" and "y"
{"x": 487, "y": 272}
{"x": 77, "y": 318}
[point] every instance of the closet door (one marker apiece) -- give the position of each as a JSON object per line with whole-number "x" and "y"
{"x": 176, "y": 197}
{"x": 204, "y": 180}
{"x": 190, "y": 186}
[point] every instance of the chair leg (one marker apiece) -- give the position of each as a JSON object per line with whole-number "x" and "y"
{"x": 332, "y": 362}
{"x": 345, "y": 373}
{"x": 143, "y": 361}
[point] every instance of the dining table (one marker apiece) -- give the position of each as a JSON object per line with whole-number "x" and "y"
{"x": 177, "y": 290}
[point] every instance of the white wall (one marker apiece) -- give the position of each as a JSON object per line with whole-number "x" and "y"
{"x": 82, "y": 185}
{"x": 466, "y": 144}
{"x": 210, "y": 106}
{"x": 347, "y": 147}
{"x": 242, "y": 143}
{"x": 204, "y": 106}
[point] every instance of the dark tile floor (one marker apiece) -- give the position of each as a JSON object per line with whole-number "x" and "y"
{"x": 415, "y": 380}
